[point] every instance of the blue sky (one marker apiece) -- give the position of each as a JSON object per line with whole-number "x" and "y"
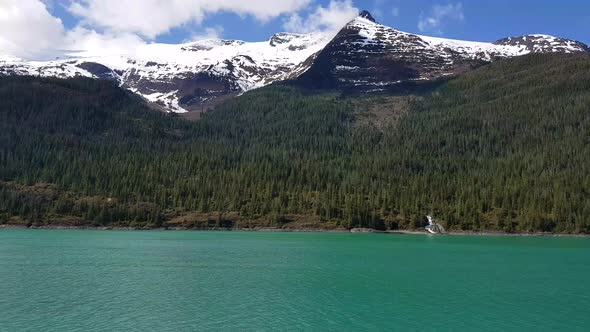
{"x": 482, "y": 20}
{"x": 37, "y": 28}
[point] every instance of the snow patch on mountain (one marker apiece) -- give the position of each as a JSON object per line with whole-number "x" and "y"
{"x": 538, "y": 43}
{"x": 237, "y": 65}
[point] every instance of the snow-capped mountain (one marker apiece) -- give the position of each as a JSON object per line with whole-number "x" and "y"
{"x": 187, "y": 77}
{"x": 364, "y": 56}
{"x": 367, "y": 56}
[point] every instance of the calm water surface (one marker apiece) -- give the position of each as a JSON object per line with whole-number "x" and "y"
{"x": 186, "y": 281}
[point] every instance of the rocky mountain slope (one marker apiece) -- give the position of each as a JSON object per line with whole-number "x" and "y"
{"x": 364, "y": 57}
{"x": 369, "y": 57}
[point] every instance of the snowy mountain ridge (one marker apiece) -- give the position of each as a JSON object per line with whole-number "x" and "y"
{"x": 364, "y": 55}
{"x": 165, "y": 74}
{"x": 367, "y": 57}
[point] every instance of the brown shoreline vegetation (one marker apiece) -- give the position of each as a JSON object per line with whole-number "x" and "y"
{"x": 80, "y": 212}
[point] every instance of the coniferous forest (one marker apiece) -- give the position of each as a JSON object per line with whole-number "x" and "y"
{"x": 503, "y": 148}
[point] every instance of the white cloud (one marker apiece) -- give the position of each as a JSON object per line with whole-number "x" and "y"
{"x": 151, "y": 18}
{"x": 331, "y": 18}
{"x": 439, "y": 15}
{"x": 105, "y": 27}
{"x": 28, "y": 30}
{"x": 83, "y": 42}
{"x": 209, "y": 33}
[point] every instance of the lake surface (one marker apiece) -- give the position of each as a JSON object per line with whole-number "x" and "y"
{"x": 184, "y": 281}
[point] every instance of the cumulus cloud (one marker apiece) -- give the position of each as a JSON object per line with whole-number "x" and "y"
{"x": 108, "y": 27}
{"x": 439, "y": 15}
{"x": 151, "y": 18}
{"x": 28, "y": 30}
{"x": 331, "y": 18}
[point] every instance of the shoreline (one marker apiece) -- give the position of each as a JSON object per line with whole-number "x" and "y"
{"x": 296, "y": 230}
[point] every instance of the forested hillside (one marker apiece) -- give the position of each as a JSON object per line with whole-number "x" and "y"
{"x": 506, "y": 147}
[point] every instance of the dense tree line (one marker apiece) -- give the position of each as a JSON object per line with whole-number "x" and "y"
{"x": 506, "y": 147}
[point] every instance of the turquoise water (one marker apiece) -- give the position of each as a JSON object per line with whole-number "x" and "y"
{"x": 186, "y": 281}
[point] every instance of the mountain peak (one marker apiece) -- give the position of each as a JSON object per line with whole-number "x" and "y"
{"x": 366, "y": 15}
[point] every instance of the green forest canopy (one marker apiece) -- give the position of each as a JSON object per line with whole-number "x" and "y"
{"x": 503, "y": 148}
